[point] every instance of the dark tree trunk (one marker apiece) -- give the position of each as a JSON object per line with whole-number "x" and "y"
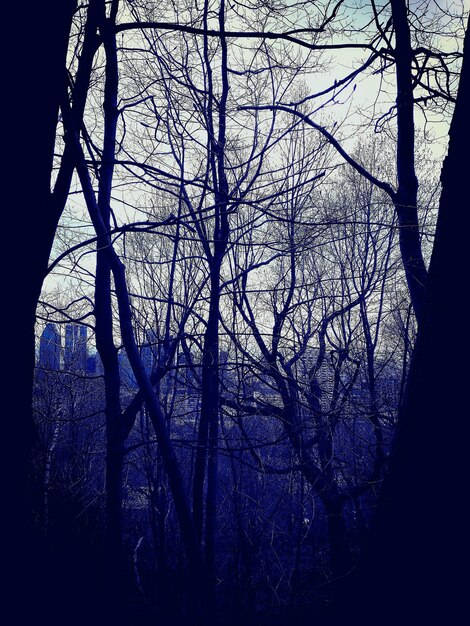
{"x": 208, "y": 436}
{"x": 42, "y": 578}
{"x": 319, "y": 475}
{"x": 104, "y": 310}
{"x": 169, "y": 458}
{"x": 374, "y": 412}
{"x": 35, "y": 80}
{"x": 341, "y": 561}
{"x": 407, "y": 192}
{"x": 209, "y": 399}
{"x": 418, "y": 548}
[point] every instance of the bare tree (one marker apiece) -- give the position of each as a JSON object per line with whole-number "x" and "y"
{"x": 252, "y": 294}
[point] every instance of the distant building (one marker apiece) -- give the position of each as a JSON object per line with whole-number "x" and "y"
{"x": 50, "y": 348}
{"x": 75, "y": 350}
{"x": 91, "y": 364}
{"x": 94, "y": 364}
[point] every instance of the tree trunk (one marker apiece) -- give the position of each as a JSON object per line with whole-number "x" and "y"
{"x": 209, "y": 398}
{"x": 169, "y": 458}
{"x": 413, "y": 560}
{"x": 407, "y": 192}
{"x": 38, "y": 69}
{"x": 207, "y": 442}
{"x": 34, "y": 81}
{"x": 104, "y": 311}
{"x": 341, "y": 561}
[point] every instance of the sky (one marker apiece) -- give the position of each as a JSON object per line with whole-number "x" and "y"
{"x": 368, "y": 97}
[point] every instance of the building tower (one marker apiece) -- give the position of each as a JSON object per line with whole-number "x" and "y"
{"x": 75, "y": 352}
{"x": 49, "y": 348}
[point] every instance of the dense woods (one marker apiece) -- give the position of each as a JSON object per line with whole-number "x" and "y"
{"x": 237, "y": 397}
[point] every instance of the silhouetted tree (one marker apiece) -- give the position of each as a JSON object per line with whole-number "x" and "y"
{"x": 412, "y": 563}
